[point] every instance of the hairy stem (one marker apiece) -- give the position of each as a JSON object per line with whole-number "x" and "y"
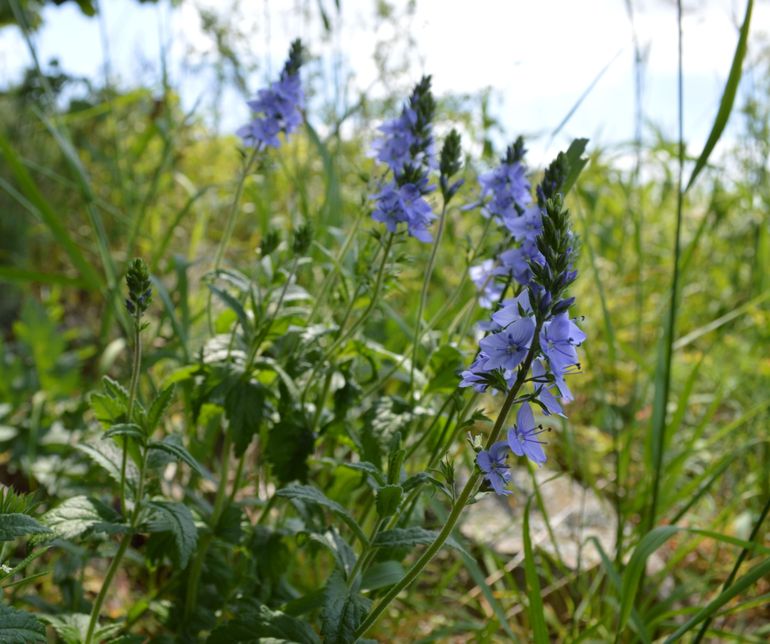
{"x": 460, "y": 502}
{"x": 135, "y": 367}
{"x": 193, "y": 582}
{"x": 424, "y": 296}
{"x": 118, "y": 558}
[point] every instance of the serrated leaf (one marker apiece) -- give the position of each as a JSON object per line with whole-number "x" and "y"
{"x": 158, "y": 407}
{"x": 311, "y": 495}
{"x": 115, "y": 390}
{"x": 341, "y": 551}
{"x": 255, "y": 622}
{"x": 408, "y": 537}
{"x": 107, "y": 409}
{"x": 19, "y": 525}
{"x": 73, "y": 628}
{"x": 19, "y": 627}
{"x": 381, "y": 574}
{"x": 343, "y": 611}
{"x": 127, "y": 430}
{"x": 79, "y": 514}
{"x": 108, "y": 456}
{"x": 179, "y": 521}
{"x": 388, "y": 499}
{"x": 244, "y": 408}
{"x": 180, "y": 453}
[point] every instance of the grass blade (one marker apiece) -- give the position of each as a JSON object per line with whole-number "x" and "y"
{"x": 536, "y": 610}
{"x": 48, "y": 215}
{"x": 728, "y": 97}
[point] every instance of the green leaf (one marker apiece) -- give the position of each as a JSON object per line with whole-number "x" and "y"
{"x": 576, "y": 163}
{"x": 408, "y": 537}
{"x": 388, "y": 499}
{"x": 115, "y": 390}
{"x": 19, "y": 525}
{"x": 536, "y": 610}
{"x": 18, "y": 627}
{"x": 290, "y": 443}
{"x": 632, "y": 575}
{"x": 311, "y": 495}
{"x": 244, "y": 408}
{"x": 343, "y": 611}
{"x": 180, "y": 453}
{"x": 107, "y": 455}
{"x": 73, "y": 628}
{"x": 108, "y": 410}
{"x": 255, "y": 622}
{"x": 80, "y": 514}
{"x": 158, "y": 407}
{"x": 382, "y": 574}
{"x": 340, "y": 549}
{"x": 728, "y": 97}
{"x": 177, "y": 519}
{"x": 128, "y": 430}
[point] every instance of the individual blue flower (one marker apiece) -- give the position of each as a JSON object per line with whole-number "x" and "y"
{"x": 517, "y": 261}
{"x": 525, "y": 227}
{"x": 522, "y": 437}
{"x": 558, "y": 341}
{"x": 493, "y": 464}
{"x": 543, "y": 391}
{"x": 277, "y": 108}
{"x": 402, "y": 144}
{"x": 404, "y": 204}
{"x": 505, "y": 189}
{"x": 474, "y": 375}
{"x": 506, "y": 349}
{"x": 513, "y": 309}
{"x": 483, "y": 276}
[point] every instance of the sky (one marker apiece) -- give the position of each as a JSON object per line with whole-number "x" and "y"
{"x": 539, "y": 57}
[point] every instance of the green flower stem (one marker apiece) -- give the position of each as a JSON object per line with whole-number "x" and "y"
{"x": 135, "y": 367}
{"x": 331, "y": 276}
{"x": 372, "y": 302}
{"x": 233, "y": 212}
{"x": 424, "y": 296}
{"x": 193, "y": 582}
{"x": 269, "y": 325}
{"x": 230, "y": 223}
{"x": 118, "y": 557}
{"x": 431, "y": 324}
{"x": 462, "y": 499}
{"x": 345, "y": 335}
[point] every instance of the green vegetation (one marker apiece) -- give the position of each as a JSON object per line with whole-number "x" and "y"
{"x": 268, "y": 449}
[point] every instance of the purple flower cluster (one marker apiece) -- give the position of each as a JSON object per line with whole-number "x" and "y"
{"x": 277, "y": 108}
{"x": 531, "y": 338}
{"x": 408, "y": 149}
{"x": 505, "y": 196}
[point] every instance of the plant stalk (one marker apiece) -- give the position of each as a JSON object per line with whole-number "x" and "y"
{"x": 462, "y": 499}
